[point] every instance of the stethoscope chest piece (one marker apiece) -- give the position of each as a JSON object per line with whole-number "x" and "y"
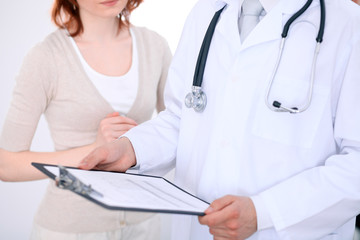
{"x": 196, "y": 99}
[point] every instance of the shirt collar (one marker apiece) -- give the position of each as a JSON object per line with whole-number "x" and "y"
{"x": 221, "y": 3}
{"x": 268, "y": 4}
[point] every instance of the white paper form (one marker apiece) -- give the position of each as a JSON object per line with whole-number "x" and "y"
{"x": 136, "y": 192}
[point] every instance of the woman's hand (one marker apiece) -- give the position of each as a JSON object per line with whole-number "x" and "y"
{"x": 112, "y": 127}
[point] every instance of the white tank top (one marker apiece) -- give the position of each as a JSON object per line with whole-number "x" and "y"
{"x": 119, "y": 91}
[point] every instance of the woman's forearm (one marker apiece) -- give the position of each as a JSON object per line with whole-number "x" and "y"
{"x": 16, "y": 166}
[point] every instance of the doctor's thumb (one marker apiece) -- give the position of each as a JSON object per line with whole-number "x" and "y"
{"x": 92, "y": 159}
{"x": 221, "y": 203}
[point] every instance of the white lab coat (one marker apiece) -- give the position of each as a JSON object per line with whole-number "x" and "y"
{"x": 304, "y": 167}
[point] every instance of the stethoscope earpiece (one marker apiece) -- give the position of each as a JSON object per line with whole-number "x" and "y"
{"x": 277, "y": 104}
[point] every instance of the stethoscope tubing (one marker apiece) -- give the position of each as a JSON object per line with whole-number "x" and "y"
{"x": 277, "y": 106}
{"x": 204, "y": 50}
{"x": 280, "y": 108}
{"x": 196, "y": 99}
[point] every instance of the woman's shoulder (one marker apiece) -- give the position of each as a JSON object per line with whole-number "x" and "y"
{"x": 57, "y": 40}
{"x": 52, "y": 44}
{"x": 149, "y": 37}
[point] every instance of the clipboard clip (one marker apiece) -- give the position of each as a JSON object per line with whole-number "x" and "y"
{"x": 66, "y": 180}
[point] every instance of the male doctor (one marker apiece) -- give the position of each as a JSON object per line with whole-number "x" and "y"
{"x": 268, "y": 174}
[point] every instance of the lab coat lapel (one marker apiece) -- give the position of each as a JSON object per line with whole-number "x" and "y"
{"x": 268, "y": 29}
{"x": 227, "y": 26}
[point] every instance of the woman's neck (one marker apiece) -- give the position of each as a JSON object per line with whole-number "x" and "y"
{"x": 106, "y": 49}
{"x": 100, "y": 30}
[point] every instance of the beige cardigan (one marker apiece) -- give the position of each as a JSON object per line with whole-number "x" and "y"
{"x": 53, "y": 82}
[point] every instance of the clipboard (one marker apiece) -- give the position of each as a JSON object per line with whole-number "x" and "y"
{"x": 125, "y": 191}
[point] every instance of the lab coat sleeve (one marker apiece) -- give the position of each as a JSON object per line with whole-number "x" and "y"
{"x": 166, "y": 60}
{"x": 155, "y": 141}
{"x": 317, "y": 201}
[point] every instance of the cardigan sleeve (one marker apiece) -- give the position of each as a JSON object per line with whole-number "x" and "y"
{"x": 31, "y": 95}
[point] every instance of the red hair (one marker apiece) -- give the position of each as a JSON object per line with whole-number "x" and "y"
{"x": 65, "y": 14}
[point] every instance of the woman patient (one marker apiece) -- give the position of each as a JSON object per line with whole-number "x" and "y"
{"x": 94, "y": 78}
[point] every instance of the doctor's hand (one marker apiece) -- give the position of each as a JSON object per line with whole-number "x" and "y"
{"x": 231, "y": 217}
{"x": 112, "y": 127}
{"x": 116, "y": 156}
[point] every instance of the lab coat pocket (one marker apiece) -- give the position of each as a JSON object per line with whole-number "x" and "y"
{"x": 298, "y": 130}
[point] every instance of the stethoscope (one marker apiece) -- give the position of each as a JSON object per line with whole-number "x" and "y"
{"x": 196, "y": 99}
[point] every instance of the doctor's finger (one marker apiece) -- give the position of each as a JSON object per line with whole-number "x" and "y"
{"x": 219, "y": 233}
{"x": 94, "y": 158}
{"x": 221, "y": 238}
{"x": 228, "y": 229}
{"x": 220, "y": 217}
{"x": 221, "y": 203}
{"x": 113, "y": 166}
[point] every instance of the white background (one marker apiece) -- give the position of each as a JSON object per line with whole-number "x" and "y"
{"x": 23, "y": 23}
